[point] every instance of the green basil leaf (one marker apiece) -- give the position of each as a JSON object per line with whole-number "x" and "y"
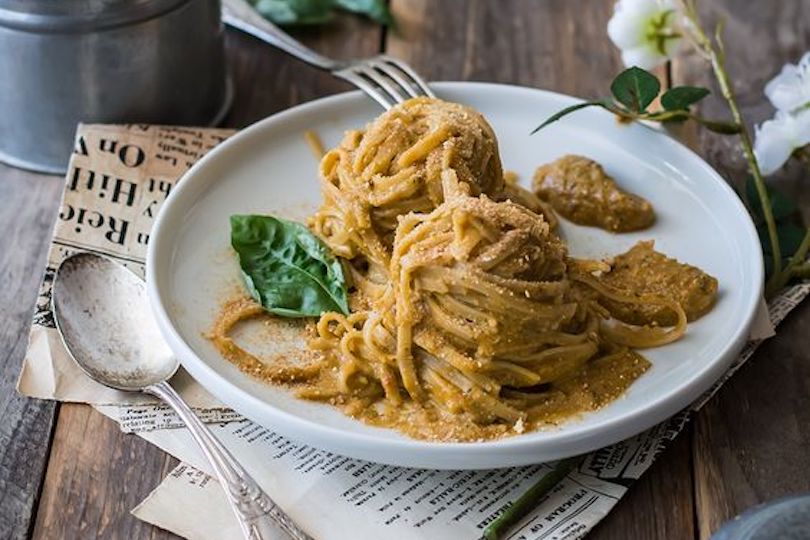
{"x": 376, "y": 10}
{"x": 288, "y": 12}
{"x": 568, "y": 110}
{"x": 781, "y": 206}
{"x": 635, "y": 88}
{"x": 681, "y": 97}
{"x": 287, "y": 268}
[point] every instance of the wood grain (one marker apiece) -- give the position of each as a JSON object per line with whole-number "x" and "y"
{"x": 659, "y": 505}
{"x": 751, "y": 441}
{"x": 555, "y": 44}
{"x": 268, "y": 80}
{"x": 27, "y": 203}
{"x": 96, "y": 474}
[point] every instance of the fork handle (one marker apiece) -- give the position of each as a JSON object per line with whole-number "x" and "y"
{"x": 258, "y": 516}
{"x": 241, "y": 15}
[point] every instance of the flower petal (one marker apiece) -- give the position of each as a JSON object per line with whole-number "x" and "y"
{"x": 626, "y": 29}
{"x": 774, "y": 143}
{"x": 790, "y": 89}
{"x": 644, "y": 57}
{"x": 640, "y": 28}
{"x": 801, "y": 131}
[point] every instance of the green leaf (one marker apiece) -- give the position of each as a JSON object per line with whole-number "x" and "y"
{"x": 781, "y": 206}
{"x": 286, "y": 268}
{"x": 681, "y": 97}
{"x": 635, "y": 88}
{"x": 376, "y": 10}
{"x": 302, "y": 12}
{"x": 287, "y": 12}
{"x": 568, "y": 110}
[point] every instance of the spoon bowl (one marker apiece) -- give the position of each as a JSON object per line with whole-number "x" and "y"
{"x": 102, "y": 313}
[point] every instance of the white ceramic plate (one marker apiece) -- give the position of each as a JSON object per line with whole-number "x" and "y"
{"x": 268, "y": 168}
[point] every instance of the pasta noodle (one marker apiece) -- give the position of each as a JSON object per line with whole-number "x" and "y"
{"x": 469, "y": 319}
{"x": 394, "y": 167}
{"x": 479, "y": 299}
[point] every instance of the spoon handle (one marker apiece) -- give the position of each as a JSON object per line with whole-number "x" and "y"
{"x": 258, "y": 516}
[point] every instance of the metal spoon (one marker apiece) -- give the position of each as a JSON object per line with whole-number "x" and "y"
{"x": 102, "y": 313}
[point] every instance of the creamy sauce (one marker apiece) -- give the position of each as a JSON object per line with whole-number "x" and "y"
{"x": 581, "y": 191}
{"x": 642, "y": 270}
{"x": 316, "y": 378}
{"x": 602, "y": 381}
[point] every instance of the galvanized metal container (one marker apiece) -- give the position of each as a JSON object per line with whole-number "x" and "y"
{"x": 132, "y": 61}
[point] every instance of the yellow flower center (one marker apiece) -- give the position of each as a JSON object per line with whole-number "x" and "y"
{"x": 659, "y": 32}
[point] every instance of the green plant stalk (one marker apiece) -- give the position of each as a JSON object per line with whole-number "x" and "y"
{"x": 802, "y": 271}
{"x": 796, "y": 267}
{"x": 681, "y": 114}
{"x": 529, "y": 500}
{"x": 717, "y": 60}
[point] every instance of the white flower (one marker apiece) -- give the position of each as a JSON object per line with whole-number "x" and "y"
{"x": 776, "y": 139}
{"x": 646, "y": 31}
{"x": 790, "y": 90}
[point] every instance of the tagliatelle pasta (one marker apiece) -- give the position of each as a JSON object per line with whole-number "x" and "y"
{"x": 469, "y": 320}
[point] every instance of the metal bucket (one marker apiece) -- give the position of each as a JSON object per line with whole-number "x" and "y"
{"x": 125, "y": 61}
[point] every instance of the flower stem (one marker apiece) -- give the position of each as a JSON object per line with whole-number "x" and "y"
{"x": 529, "y": 500}
{"x": 796, "y": 266}
{"x": 802, "y": 271}
{"x": 716, "y": 56}
{"x": 668, "y": 75}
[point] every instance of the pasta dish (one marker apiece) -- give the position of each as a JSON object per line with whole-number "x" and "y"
{"x": 467, "y": 318}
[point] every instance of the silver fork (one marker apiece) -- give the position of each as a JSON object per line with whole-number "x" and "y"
{"x": 385, "y": 79}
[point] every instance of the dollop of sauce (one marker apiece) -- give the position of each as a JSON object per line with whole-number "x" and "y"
{"x": 581, "y": 191}
{"x": 642, "y": 270}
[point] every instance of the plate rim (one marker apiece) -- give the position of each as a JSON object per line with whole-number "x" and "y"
{"x": 616, "y": 428}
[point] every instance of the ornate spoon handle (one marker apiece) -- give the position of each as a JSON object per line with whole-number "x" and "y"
{"x": 258, "y": 516}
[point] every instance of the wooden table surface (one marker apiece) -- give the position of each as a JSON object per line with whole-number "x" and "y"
{"x": 67, "y": 472}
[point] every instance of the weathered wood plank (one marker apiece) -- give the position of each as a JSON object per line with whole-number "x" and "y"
{"x": 558, "y": 45}
{"x": 642, "y": 513}
{"x": 750, "y": 442}
{"x": 27, "y": 202}
{"x": 268, "y": 80}
{"x": 562, "y": 46}
{"x": 96, "y": 474}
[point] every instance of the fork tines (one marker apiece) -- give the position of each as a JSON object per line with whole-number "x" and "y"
{"x": 385, "y": 79}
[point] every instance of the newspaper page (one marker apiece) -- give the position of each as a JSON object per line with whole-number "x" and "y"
{"x": 118, "y": 177}
{"x": 376, "y": 501}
